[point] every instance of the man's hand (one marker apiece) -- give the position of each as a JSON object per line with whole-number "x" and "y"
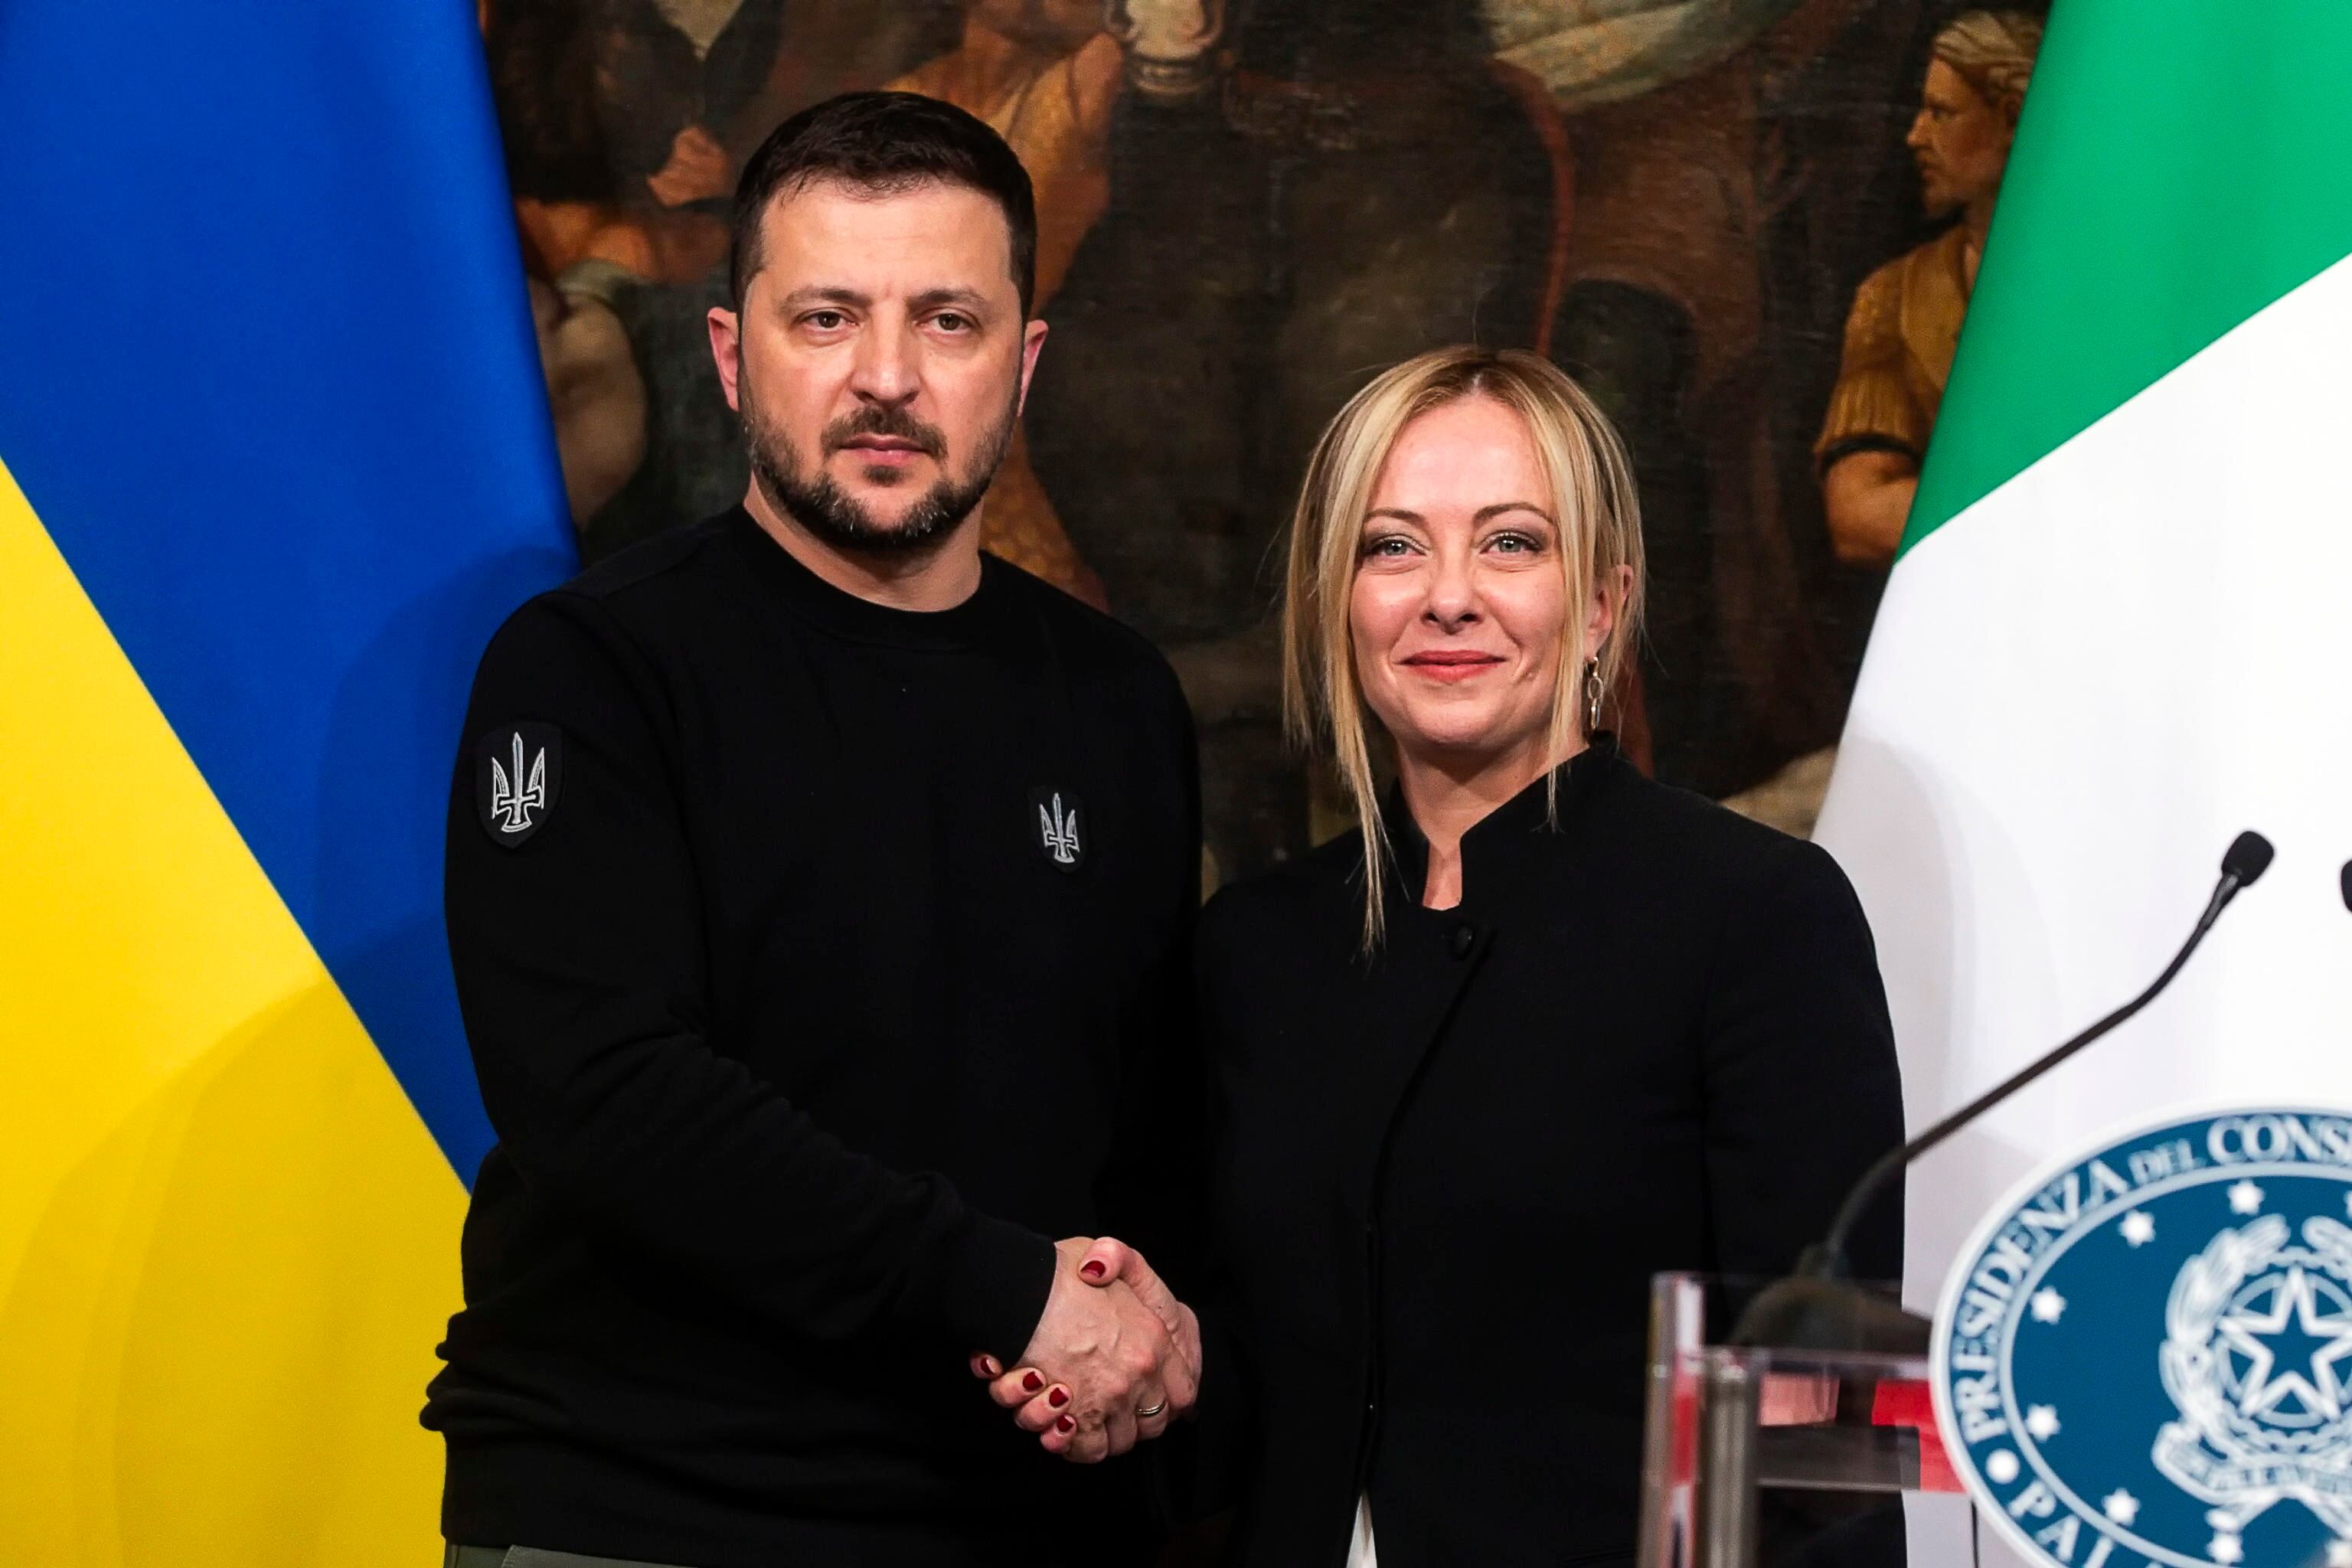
{"x": 1107, "y": 1349}
{"x": 1110, "y": 1259}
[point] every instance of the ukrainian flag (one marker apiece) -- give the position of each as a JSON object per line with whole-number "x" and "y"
{"x": 274, "y": 462}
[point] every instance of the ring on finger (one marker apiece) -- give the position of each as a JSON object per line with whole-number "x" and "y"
{"x": 1147, "y": 1412}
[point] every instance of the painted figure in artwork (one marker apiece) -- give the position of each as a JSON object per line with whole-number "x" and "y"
{"x": 620, "y": 189}
{"x": 1044, "y": 75}
{"x": 1245, "y": 205}
{"x": 1905, "y": 320}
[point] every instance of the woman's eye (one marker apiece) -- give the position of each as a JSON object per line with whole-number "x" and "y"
{"x": 1513, "y": 544}
{"x": 1388, "y": 546}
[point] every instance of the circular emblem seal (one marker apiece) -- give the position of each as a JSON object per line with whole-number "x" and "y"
{"x": 2145, "y": 1354}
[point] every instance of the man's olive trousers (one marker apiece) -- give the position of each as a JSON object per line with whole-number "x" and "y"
{"x": 531, "y": 1557}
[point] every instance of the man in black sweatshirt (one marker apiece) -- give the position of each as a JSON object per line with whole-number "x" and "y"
{"x": 820, "y": 891}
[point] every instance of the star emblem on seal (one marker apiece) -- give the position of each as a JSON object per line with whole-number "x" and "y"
{"x": 2292, "y": 1350}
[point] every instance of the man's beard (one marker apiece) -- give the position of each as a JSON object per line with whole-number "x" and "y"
{"x": 812, "y": 499}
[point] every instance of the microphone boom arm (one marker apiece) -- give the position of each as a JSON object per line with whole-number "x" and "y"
{"x": 1828, "y": 1261}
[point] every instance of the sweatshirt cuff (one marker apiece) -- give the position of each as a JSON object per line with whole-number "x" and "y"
{"x": 993, "y": 1285}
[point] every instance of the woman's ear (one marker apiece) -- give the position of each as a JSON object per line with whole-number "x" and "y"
{"x": 1609, "y": 591}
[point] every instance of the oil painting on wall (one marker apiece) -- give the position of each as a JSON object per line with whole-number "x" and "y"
{"x": 1749, "y": 227}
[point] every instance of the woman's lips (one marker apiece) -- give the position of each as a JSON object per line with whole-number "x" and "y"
{"x": 1451, "y": 666}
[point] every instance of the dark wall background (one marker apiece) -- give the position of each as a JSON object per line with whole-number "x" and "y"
{"x": 1674, "y": 202}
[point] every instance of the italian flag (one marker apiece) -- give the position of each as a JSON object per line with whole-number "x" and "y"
{"x": 2120, "y": 626}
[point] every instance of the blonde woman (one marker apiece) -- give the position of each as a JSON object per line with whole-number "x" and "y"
{"x": 1538, "y": 1029}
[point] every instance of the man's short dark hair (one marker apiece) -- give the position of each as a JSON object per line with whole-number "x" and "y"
{"x": 884, "y": 142}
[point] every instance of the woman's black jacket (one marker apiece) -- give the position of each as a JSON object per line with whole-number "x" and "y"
{"x": 1652, "y": 1037}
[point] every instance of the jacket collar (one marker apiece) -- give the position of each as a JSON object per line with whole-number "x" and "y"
{"x": 1504, "y": 846}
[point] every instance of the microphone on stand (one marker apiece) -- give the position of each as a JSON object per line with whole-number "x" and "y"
{"x": 1818, "y": 1308}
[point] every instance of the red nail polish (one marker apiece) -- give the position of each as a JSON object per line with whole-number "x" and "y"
{"x": 1066, "y": 1424}
{"x": 1033, "y": 1382}
{"x": 1093, "y": 1270}
{"x": 1058, "y": 1399}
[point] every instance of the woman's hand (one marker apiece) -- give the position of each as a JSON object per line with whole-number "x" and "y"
{"x": 1042, "y": 1405}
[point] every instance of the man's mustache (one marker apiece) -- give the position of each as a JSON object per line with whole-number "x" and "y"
{"x": 895, "y": 423}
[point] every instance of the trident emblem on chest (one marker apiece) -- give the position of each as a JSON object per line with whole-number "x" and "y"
{"x": 1059, "y": 834}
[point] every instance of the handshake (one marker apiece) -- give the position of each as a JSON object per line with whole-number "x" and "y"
{"x": 1113, "y": 1360}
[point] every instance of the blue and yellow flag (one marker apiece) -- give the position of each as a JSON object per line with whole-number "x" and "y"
{"x": 274, "y": 462}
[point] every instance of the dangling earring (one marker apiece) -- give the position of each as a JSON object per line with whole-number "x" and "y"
{"x": 1592, "y": 695}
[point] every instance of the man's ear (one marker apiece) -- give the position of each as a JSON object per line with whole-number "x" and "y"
{"x": 727, "y": 350}
{"x": 1032, "y": 338}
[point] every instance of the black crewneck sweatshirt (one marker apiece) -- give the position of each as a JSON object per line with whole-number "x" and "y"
{"x": 833, "y": 965}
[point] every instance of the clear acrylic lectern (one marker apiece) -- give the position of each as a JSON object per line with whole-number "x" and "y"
{"x": 1757, "y": 1456}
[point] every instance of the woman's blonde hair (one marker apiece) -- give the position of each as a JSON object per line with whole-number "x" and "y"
{"x": 1592, "y": 503}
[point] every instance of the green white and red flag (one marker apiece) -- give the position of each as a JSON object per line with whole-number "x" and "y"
{"x": 2119, "y": 629}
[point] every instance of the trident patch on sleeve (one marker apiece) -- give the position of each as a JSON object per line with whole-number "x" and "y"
{"x": 518, "y": 773}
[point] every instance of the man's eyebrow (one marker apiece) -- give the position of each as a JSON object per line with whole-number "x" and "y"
{"x": 970, "y": 300}
{"x": 821, "y": 294}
